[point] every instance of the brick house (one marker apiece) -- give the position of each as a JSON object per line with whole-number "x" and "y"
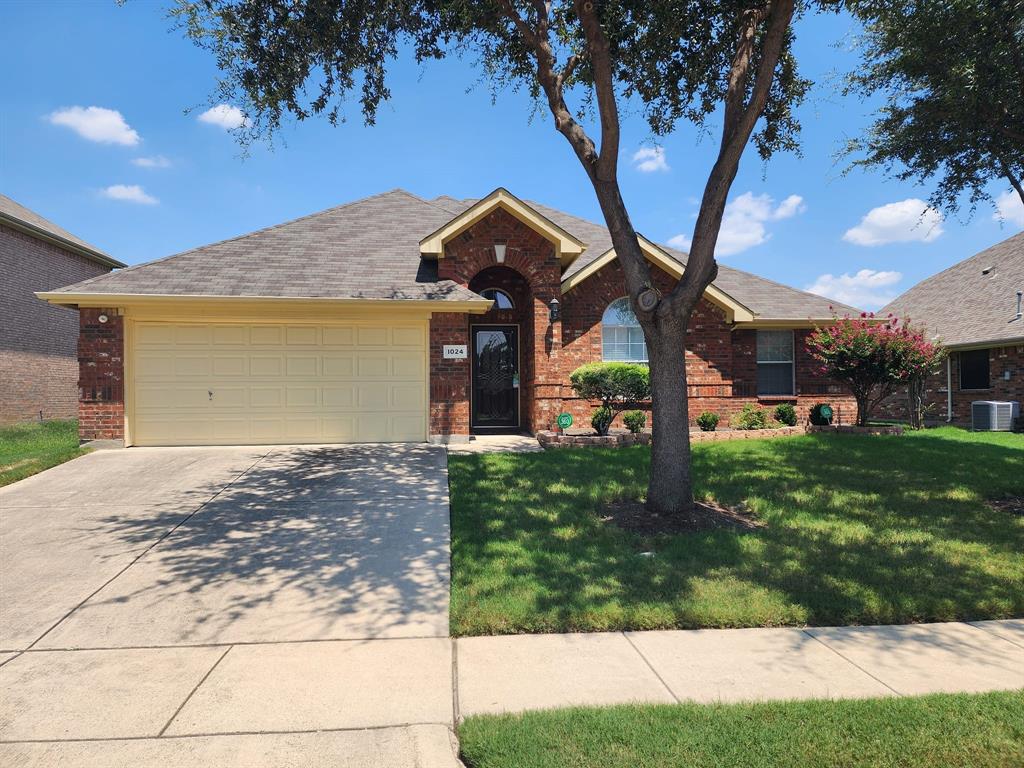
{"x": 38, "y": 342}
{"x": 974, "y": 309}
{"x": 400, "y": 318}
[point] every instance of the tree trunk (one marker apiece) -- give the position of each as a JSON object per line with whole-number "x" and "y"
{"x": 669, "y": 488}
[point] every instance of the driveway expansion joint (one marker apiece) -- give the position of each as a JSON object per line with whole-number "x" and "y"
{"x": 193, "y": 691}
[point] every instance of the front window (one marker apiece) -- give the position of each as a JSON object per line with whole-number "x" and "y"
{"x": 974, "y": 369}
{"x": 622, "y": 338}
{"x": 775, "y": 363}
{"x": 501, "y": 299}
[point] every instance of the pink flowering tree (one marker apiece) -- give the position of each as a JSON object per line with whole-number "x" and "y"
{"x": 875, "y": 359}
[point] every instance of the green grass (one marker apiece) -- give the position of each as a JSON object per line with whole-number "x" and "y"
{"x": 26, "y": 449}
{"x": 980, "y": 730}
{"x": 858, "y": 530}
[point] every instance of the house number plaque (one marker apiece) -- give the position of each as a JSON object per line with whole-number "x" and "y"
{"x": 454, "y": 352}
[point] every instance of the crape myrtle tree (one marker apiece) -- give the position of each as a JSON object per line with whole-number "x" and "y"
{"x": 875, "y": 359}
{"x": 951, "y": 73}
{"x": 725, "y": 66}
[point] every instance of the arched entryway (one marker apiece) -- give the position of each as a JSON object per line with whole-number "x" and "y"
{"x": 501, "y": 353}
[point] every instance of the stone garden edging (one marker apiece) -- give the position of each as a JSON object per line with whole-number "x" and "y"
{"x": 552, "y": 439}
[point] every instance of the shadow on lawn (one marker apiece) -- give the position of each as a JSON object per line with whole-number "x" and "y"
{"x": 859, "y": 530}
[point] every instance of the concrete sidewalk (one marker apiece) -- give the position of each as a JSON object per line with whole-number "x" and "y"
{"x": 522, "y": 672}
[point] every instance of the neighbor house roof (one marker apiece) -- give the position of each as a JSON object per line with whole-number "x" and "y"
{"x": 370, "y": 249}
{"x": 19, "y": 217}
{"x": 974, "y": 302}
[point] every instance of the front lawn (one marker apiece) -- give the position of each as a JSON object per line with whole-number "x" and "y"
{"x": 981, "y": 731}
{"x": 857, "y": 530}
{"x": 26, "y": 449}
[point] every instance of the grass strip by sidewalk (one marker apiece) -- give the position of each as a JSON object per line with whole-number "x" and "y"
{"x": 26, "y": 449}
{"x": 977, "y": 730}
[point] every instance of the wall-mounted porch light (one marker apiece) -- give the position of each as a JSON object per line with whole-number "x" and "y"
{"x": 555, "y": 309}
{"x": 499, "y": 252}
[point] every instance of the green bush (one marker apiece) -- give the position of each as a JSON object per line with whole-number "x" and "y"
{"x": 785, "y": 413}
{"x": 751, "y": 417}
{"x": 635, "y": 421}
{"x": 617, "y": 385}
{"x": 707, "y": 421}
{"x": 821, "y": 415}
{"x": 601, "y": 420}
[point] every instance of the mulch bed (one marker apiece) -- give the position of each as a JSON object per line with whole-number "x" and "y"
{"x": 1012, "y": 504}
{"x": 634, "y": 517}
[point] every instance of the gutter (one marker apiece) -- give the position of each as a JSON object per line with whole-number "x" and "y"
{"x": 949, "y": 388}
{"x": 49, "y": 237}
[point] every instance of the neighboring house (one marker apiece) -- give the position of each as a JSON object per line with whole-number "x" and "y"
{"x": 974, "y": 309}
{"x": 38, "y": 342}
{"x": 399, "y": 318}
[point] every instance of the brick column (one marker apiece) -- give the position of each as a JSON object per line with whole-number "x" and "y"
{"x": 449, "y": 379}
{"x": 100, "y": 375}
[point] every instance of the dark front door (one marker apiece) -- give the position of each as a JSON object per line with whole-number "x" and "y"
{"x": 495, "y": 399}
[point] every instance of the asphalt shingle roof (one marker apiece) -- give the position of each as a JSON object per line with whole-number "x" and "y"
{"x": 972, "y": 302}
{"x": 370, "y": 249}
{"x": 15, "y": 212}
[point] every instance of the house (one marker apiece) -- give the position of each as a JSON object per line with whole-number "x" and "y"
{"x": 974, "y": 309}
{"x": 404, "y": 319}
{"x": 38, "y": 343}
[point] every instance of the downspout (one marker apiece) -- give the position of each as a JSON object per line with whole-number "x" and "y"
{"x": 949, "y": 388}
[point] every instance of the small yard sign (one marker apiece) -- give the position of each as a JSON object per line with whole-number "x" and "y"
{"x": 564, "y": 420}
{"x": 454, "y": 352}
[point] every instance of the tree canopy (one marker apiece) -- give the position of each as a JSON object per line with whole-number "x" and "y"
{"x": 952, "y": 75}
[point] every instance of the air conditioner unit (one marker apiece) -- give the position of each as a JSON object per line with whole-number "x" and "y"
{"x": 993, "y": 416}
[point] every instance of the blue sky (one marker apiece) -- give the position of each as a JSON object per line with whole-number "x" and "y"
{"x": 797, "y": 220}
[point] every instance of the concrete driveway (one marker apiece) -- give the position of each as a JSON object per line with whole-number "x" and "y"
{"x": 225, "y": 595}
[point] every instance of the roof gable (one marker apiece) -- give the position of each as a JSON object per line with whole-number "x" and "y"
{"x": 17, "y": 216}
{"x": 567, "y": 245}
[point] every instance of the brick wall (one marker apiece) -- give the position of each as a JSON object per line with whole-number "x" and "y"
{"x": 38, "y": 359}
{"x": 1003, "y": 361}
{"x": 101, "y": 375}
{"x": 720, "y": 363}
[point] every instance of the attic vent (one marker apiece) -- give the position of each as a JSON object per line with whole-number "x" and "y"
{"x": 987, "y": 270}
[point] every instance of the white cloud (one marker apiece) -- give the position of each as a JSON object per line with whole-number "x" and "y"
{"x": 106, "y": 126}
{"x": 744, "y": 222}
{"x": 156, "y": 161}
{"x": 129, "y": 193}
{"x": 867, "y": 289}
{"x": 650, "y": 159}
{"x": 1009, "y": 207}
{"x": 224, "y": 116}
{"x": 910, "y": 220}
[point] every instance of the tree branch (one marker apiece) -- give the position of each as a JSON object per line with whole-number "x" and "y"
{"x": 604, "y": 85}
{"x": 739, "y": 120}
{"x": 1014, "y": 181}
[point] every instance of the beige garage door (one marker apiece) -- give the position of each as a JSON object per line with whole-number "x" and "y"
{"x": 224, "y": 384}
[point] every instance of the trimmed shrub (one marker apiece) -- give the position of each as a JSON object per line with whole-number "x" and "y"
{"x": 601, "y": 420}
{"x": 617, "y": 385}
{"x": 707, "y": 421}
{"x": 785, "y": 413}
{"x": 821, "y": 415}
{"x": 635, "y": 421}
{"x": 751, "y": 417}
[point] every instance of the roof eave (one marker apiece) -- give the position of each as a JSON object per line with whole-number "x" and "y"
{"x": 69, "y": 299}
{"x": 30, "y": 229}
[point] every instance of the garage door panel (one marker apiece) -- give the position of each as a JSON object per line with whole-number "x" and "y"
{"x": 276, "y": 383}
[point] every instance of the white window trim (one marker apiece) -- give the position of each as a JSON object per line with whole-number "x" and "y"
{"x": 791, "y": 363}
{"x": 504, "y": 293}
{"x": 644, "y": 361}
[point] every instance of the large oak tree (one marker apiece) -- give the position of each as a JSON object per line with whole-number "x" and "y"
{"x": 725, "y": 66}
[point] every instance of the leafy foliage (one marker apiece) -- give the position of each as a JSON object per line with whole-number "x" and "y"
{"x": 635, "y": 421}
{"x": 617, "y": 385}
{"x": 952, "y": 74}
{"x": 602, "y": 420}
{"x": 873, "y": 359}
{"x": 707, "y": 421}
{"x": 751, "y": 417}
{"x": 785, "y": 413}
